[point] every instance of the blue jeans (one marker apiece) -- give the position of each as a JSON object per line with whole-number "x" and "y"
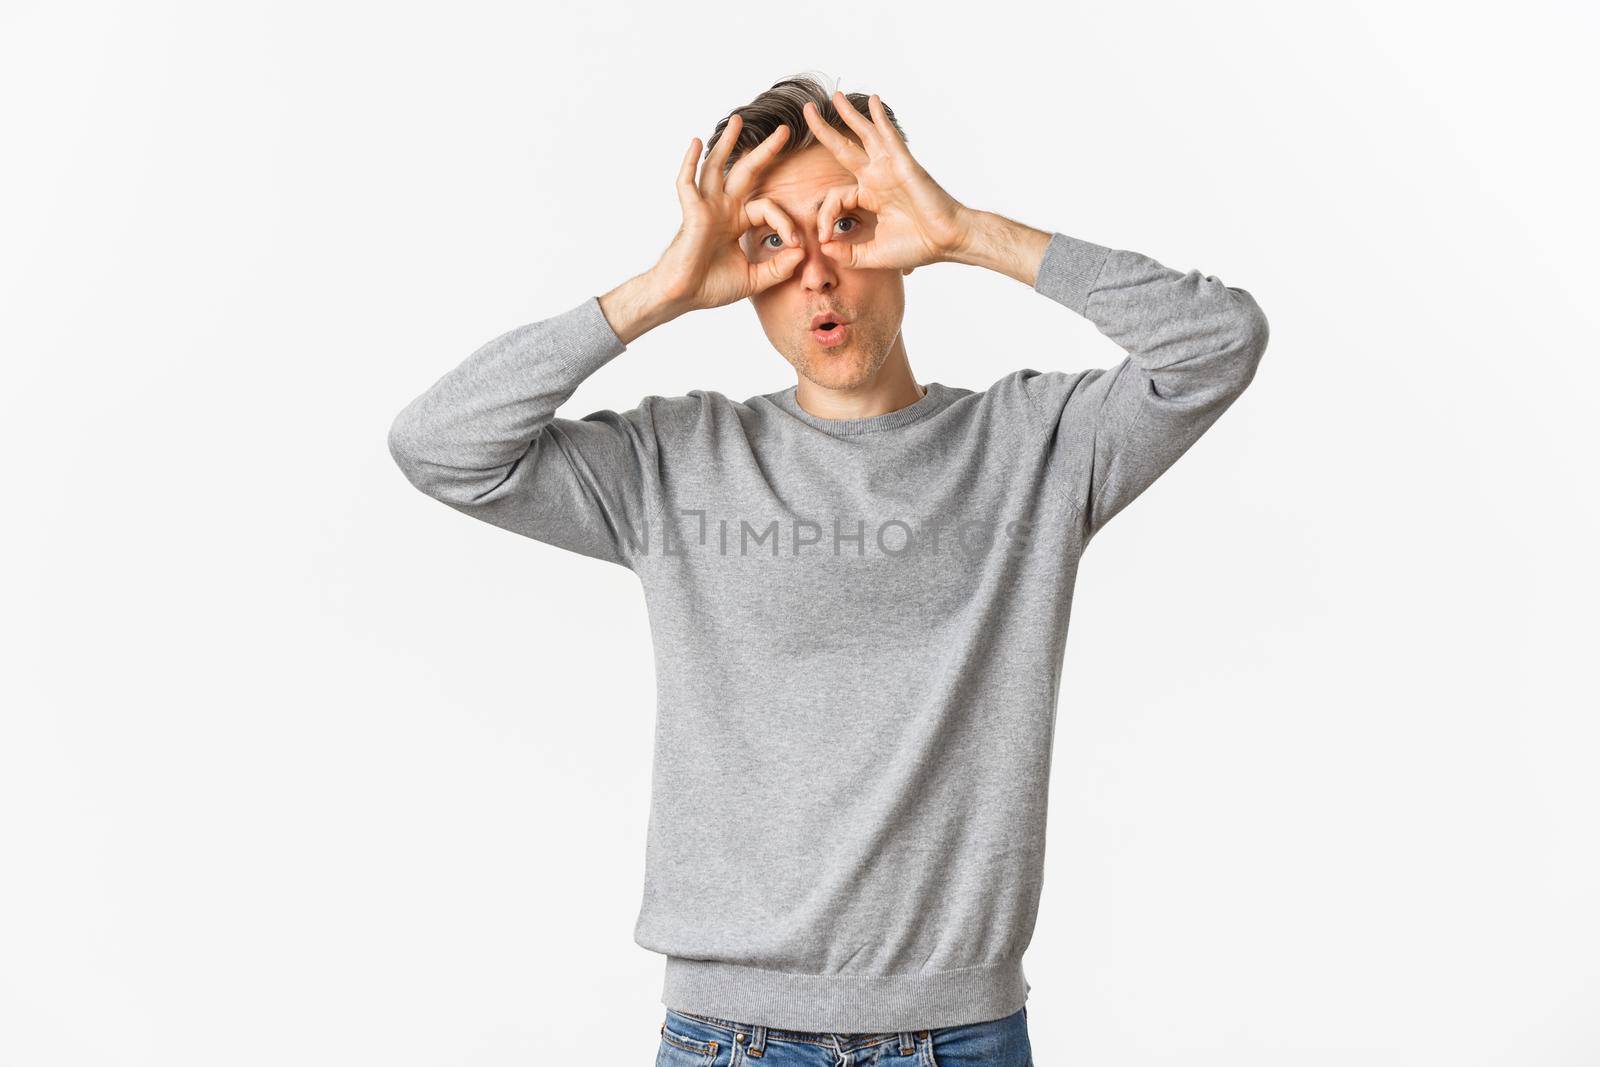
{"x": 691, "y": 1040}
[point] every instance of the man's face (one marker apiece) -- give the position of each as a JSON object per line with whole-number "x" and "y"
{"x": 871, "y": 301}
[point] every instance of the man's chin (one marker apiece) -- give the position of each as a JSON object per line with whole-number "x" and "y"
{"x": 839, "y": 372}
{"x": 838, "y": 382}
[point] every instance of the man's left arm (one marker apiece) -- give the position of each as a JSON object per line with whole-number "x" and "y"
{"x": 1192, "y": 346}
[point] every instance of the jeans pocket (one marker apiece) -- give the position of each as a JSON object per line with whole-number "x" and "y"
{"x": 997, "y": 1043}
{"x": 681, "y": 1050}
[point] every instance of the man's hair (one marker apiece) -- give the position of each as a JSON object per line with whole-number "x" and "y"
{"x": 783, "y": 105}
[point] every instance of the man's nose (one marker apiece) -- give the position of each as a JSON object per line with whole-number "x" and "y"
{"x": 816, "y": 269}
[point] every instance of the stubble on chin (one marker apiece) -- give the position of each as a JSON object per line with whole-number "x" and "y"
{"x": 835, "y": 375}
{"x": 851, "y": 369}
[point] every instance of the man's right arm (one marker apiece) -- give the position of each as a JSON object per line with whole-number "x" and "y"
{"x": 485, "y": 438}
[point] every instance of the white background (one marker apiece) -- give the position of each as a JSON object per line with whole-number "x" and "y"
{"x": 298, "y": 766}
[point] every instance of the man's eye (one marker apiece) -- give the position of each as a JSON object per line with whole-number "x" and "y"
{"x": 847, "y": 218}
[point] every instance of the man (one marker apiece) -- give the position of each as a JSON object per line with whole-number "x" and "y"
{"x": 858, "y": 586}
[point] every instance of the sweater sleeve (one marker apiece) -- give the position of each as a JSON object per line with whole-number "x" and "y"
{"x": 1192, "y": 346}
{"x": 485, "y": 440}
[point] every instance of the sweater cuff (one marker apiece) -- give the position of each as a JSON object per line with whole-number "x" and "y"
{"x": 1069, "y": 270}
{"x": 581, "y": 339}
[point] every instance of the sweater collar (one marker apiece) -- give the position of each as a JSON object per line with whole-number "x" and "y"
{"x": 937, "y": 396}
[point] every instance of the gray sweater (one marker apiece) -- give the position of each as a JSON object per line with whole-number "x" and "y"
{"x": 859, "y": 627}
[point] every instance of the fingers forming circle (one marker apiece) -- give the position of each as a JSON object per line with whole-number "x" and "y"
{"x": 836, "y": 201}
{"x": 764, "y": 212}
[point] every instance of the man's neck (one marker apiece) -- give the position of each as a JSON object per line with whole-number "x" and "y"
{"x": 893, "y": 388}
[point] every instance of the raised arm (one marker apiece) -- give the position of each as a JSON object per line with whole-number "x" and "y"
{"x": 485, "y": 438}
{"x": 1192, "y": 342}
{"x": 1193, "y": 345}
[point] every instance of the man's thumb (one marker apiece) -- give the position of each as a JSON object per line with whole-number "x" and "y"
{"x": 781, "y": 266}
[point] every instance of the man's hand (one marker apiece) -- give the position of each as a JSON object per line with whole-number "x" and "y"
{"x": 705, "y": 266}
{"x": 917, "y": 222}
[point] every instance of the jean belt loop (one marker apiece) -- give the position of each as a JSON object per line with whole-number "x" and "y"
{"x": 907, "y": 1045}
{"x": 758, "y": 1042}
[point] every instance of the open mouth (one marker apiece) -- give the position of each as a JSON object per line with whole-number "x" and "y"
{"x": 829, "y": 333}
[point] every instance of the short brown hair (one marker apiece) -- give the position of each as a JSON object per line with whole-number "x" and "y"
{"x": 783, "y": 104}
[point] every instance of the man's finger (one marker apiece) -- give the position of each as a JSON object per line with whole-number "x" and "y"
{"x": 744, "y": 173}
{"x": 766, "y": 274}
{"x": 764, "y": 212}
{"x": 891, "y": 137}
{"x": 846, "y": 151}
{"x": 856, "y": 120}
{"x": 839, "y": 199}
{"x": 711, "y": 173}
{"x": 842, "y": 254}
{"x": 687, "y": 193}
